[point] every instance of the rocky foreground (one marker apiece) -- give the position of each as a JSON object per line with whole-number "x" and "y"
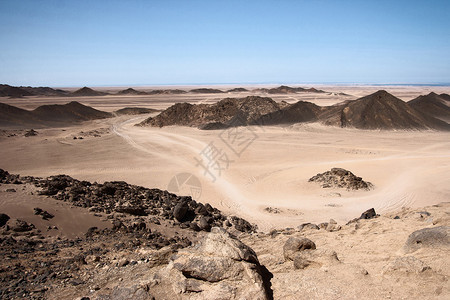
{"x": 162, "y": 246}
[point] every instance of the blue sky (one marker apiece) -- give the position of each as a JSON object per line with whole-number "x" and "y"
{"x": 77, "y": 43}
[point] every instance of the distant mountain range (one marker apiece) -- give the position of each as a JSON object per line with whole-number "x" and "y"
{"x": 18, "y": 92}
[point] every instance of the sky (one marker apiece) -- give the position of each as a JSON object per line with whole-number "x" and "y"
{"x": 106, "y": 43}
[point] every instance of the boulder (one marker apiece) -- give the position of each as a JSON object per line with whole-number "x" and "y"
{"x": 308, "y": 226}
{"x": 428, "y": 238}
{"x": 294, "y": 245}
{"x": 203, "y": 224}
{"x": 218, "y": 267}
{"x": 368, "y": 214}
{"x": 3, "y": 219}
{"x": 180, "y": 210}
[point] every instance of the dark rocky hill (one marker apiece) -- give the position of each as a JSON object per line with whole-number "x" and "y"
{"x": 48, "y": 115}
{"x": 85, "y": 91}
{"x": 70, "y": 112}
{"x": 167, "y": 92}
{"x": 131, "y": 91}
{"x": 229, "y": 112}
{"x": 23, "y": 91}
{"x": 237, "y": 90}
{"x": 283, "y": 89}
{"x": 13, "y": 91}
{"x": 435, "y": 105}
{"x": 14, "y": 117}
{"x": 380, "y": 110}
{"x": 296, "y": 113}
{"x": 206, "y": 91}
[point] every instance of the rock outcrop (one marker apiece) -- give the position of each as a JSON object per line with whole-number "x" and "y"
{"x": 218, "y": 267}
{"x": 341, "y": 178}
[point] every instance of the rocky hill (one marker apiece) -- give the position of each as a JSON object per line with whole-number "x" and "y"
{"x": 49, "y": 115}
{"x": 237, "y": 90}
{"x": 23, "y": 91}
{"x": 299, "y": 112}
{"x": 206, "y": 91}
{"x": 227, "y": 112}
{"x": 13, "y": 92}
{"x": 131, "y": 91}
{"x": 167, "y": 92}
{"x": 434, "y": 105}
{"x": 380, "y": 110}
{"x": 11, "y": 116}
{"x": 85, "y": 91}
{"x": 70, "y": 112}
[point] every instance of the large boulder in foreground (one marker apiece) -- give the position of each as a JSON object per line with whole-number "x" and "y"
{"x": 341, "y": 178}
{"x": 218, "y": 267}
{"x": 428, "y": 238}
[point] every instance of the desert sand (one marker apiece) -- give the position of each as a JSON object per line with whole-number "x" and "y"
{"x": 97, "y": 244}
{"x": 268, "y": 167}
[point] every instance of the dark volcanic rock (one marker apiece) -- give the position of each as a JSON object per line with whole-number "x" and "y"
{"x": 3, "y": 219}
{"x": 43, "y": 213}
{"x": 368, "y": 214}
{"x": 180, "y": 210}
{"x": 341, "y": 178}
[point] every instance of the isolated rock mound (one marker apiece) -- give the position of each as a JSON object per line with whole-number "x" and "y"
{"x": 85, "y": 91}
{"x": 218, "y": 267}
{"x": 70, "y": 112}
{"x": 341, "y": 178}
{"x": 428, "y": 238}
{"x": 131, "y": 91}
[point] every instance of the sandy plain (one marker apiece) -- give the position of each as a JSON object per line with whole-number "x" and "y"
{"x": 260, "y": 167}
